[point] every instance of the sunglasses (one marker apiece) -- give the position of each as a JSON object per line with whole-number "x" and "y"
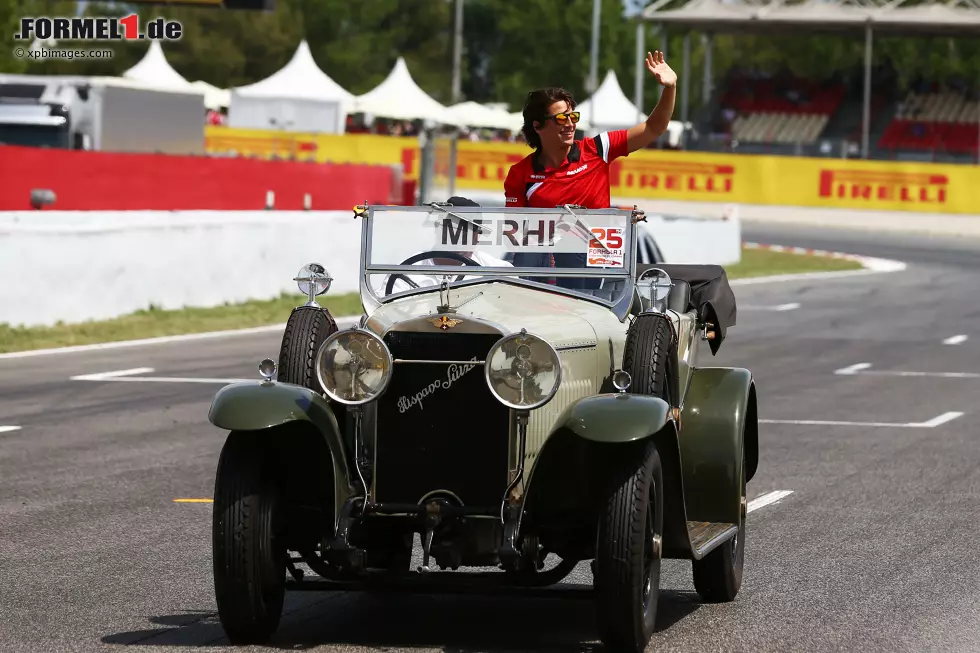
{"x": 563, "y": 118}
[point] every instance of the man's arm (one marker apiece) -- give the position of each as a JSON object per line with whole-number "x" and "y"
{"x": 640, "y": 136}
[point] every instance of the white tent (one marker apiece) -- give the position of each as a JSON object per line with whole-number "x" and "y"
{"x": 474, "y": 114}
{"x": 609, "y": 108}
{"x": 214, "y": 97}
{"x": 400, "y": 98}
{"x": 154, "y": 70}
{"x": 299, "y": 97}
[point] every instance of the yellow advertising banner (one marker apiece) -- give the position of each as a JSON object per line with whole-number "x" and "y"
{"x": 797, "y": 181}
{"x": 654, "y": 174}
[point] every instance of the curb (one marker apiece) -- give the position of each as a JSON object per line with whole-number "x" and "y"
{"x": 870, "y": 263}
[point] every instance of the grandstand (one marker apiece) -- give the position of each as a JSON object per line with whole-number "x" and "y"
{"x": 855, "y": 113}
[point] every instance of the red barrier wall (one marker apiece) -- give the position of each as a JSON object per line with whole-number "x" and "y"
{"x": 84, "y": 180}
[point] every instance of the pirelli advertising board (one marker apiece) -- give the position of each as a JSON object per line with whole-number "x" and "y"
{"x": 656, "y": 174}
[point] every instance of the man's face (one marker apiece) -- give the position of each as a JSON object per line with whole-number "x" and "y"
{"x": 554, "y": 135}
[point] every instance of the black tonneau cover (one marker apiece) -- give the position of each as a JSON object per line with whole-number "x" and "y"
{"x": 711, "y": 295}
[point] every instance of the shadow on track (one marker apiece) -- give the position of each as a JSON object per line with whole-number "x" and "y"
{"x": 455, "y": 624}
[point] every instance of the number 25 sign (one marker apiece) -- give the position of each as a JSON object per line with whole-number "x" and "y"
{"x": 608, "y": 238}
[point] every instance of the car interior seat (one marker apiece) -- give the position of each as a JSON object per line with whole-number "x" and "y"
{"x": 680, "y": 296}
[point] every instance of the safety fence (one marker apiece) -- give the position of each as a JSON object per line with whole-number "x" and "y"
{"x": 86, "y": 180}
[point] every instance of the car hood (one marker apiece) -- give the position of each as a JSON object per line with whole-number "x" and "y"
{"x": 500, "y": 307}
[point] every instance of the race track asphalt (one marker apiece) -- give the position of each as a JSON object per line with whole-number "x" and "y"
{"x": 873, "y": 550}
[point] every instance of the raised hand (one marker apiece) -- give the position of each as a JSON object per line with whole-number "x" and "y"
{"x": 660, "y": 70}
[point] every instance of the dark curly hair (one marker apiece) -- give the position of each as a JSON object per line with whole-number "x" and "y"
{"x": 536, "y": 108}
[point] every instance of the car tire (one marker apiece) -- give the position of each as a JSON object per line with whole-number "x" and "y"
{"x": 306, "y": 329}
{"x": 249, "y": 558}
{"x": 628, "y": 551}
{"x": 646, "y": 355}
{"x": 718, "y": 575}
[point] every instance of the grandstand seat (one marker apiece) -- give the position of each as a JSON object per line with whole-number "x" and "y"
{"x": 941, "y": 120}
{"x": 766, "y": 112}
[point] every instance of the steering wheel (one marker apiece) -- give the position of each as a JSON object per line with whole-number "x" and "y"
{"x": 421, "y": 257}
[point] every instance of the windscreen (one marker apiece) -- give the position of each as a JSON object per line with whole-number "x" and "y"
{"x": 577, "y": 250}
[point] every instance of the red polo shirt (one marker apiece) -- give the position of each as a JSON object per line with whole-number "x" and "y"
{"x": 582, "y": 179}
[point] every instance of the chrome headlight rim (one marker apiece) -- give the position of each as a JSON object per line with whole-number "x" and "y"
{"x": 523, "y": 333}
{"x": 354, "y": 330}
{"x": 649, "y": 283}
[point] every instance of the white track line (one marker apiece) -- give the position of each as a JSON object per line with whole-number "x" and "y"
{"x": 853, "y": 369}
{"x": 778, "y": 308}
{"x": 342, "y": 322}
{"x": 178, "y": 379}
{"x": 955, "y": 340}
{"x": 8, "y": 429}
{"x": 109, "y": 376}
{"x": 928, "y": 424}
{"x": 131, "y": 375}
{"x": 767, "y": 499}
{"x": 864, "y": 369}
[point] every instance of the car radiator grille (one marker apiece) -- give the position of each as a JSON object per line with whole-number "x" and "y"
{"x": 438, "y": 426}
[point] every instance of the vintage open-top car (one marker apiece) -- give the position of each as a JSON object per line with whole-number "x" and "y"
{"x": 517, "y": 392}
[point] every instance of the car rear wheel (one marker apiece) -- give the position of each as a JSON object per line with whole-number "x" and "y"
{"x": 628, "y": 550}
{"x": 249, "y": 556}
{"x": 718, "y": 575}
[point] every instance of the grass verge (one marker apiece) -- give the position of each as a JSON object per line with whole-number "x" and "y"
{"x": 764, "y": 262}
{"x": 154, "y": 322}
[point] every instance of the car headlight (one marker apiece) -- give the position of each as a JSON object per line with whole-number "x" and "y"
{"x": 354, "y": 366}
{"x": 654, "y": 286}
{"x": 523, "y": 371}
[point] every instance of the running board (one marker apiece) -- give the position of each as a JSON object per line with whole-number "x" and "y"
{"x": 706, "y": 536}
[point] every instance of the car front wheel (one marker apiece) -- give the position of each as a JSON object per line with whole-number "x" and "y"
{"x": 628, "y": 551}
{"x": 249, "y": 558}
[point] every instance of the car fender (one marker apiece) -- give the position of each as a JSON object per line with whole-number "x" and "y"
{"x": 261, "y": 405}
{"x": 719, "y": 412}
{"x": 615, "y": 417}
{"x": 566, "y": 473}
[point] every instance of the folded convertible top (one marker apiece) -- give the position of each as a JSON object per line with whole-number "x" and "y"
{"x": 711, "y": 294}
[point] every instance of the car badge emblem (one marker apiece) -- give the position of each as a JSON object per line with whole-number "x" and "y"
{"x": 444, "y": 322}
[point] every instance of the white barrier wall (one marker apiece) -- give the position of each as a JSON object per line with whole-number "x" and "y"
{"x": 73, "y": 266}
{"x": 79, "y": 265}
{"x": 696, "y": 240}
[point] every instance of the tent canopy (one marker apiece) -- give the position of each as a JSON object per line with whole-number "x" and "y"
{"x": 609, "y": 108}
{"x": 154, "y": 70}
{"x": 930, "y": 18}
{"x": 400, "y": 98}
{"x": 474, "y": 114}
{"x": 299, "y": 79}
